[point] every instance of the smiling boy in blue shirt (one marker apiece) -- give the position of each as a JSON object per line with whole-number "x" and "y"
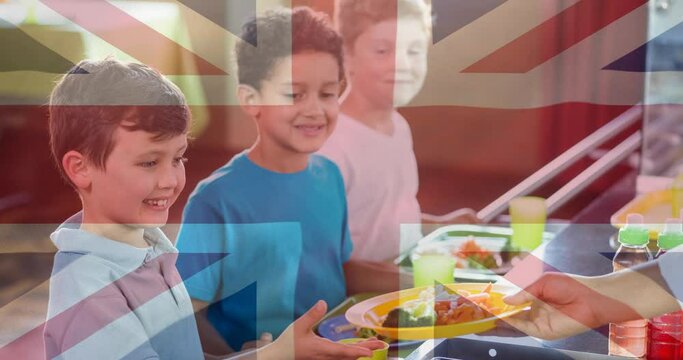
{"x": 276, "y": 209}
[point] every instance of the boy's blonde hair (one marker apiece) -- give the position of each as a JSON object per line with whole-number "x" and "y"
{"x": 92, "y": 100}
{"x": 353, "y": 17}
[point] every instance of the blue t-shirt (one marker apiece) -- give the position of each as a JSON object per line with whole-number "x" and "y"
{"x": 286, "y": 237}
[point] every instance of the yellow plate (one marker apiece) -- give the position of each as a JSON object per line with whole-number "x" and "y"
{"x": 368, "y": 313}
{"x": 655, "y": 208}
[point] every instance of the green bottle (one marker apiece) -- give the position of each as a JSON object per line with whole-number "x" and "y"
{"x": 629, "y": 339}
{"x": 671, "y": 237}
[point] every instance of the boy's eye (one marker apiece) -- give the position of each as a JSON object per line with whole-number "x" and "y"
{"x": 418, "y": 49}
{"x": 295, "y": 96}
{"x": 328, "y": 95}
{"x": 180, "y": 160}
{"x": 147, "y": 164}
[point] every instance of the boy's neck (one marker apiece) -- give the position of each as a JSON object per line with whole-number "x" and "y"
{"x": 378, "y": 118}
{"x": 276, "y": 159}
{"x": 126, "y": 234}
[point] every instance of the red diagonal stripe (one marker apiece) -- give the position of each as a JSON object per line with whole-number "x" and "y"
{"x": 31, "y": 346}
{"x": 566, "y": 29}
{"x": 131, "y": 36}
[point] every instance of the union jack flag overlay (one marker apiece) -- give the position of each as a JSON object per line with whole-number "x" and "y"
{"x": 570, "y": 65}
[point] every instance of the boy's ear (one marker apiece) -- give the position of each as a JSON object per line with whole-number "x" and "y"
{"x": 250, "y": 99}
{"x": 77, "y": 169}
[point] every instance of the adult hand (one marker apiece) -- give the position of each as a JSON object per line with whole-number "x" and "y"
{"x": 563, "y": 305}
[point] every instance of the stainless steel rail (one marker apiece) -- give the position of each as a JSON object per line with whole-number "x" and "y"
{"x": 562, "y": 162}
{"x": 593, "y": 172}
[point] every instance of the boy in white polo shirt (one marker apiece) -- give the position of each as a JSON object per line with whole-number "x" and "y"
{"x": 118, "y": 133}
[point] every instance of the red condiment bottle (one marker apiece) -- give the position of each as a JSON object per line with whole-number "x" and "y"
{"x": 665, "y": 338}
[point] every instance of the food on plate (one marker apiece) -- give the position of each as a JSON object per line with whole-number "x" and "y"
{"x": 438, "y": 306}
{"x": 366, "y": 333}
{"x": 471, "y": 255}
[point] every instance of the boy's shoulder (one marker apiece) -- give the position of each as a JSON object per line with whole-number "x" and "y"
{"x": 320, "y": 163}
{"x": 222, "y": 179}
{"x": 346, "y": 127}
{"x": 240, "y": 171}
{"x": 79, "y": 276}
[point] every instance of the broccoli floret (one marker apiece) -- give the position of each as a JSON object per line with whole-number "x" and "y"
{"x": 399, "y": 317}
{"x": 421, "y": 321}
{"x": 366, "y": 333}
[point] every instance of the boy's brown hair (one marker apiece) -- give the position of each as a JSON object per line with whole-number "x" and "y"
{"x": 353, "y": 17}
{"x": 310, "y": 31}
{"x": 92, "y": 100}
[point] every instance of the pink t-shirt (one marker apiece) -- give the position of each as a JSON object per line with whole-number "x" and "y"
{"x": 380, "y": 176}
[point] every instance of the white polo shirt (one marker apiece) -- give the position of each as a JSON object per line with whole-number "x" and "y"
{"x": 110, "y": 300}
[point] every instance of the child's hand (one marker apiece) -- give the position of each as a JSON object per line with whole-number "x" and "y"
{"x": 465, "y": 216}
{"x": 562, "y": 305}
{"x": 265, "y": 339}
{"x": 460, "y": 216}
{"x": 307, "y": 345}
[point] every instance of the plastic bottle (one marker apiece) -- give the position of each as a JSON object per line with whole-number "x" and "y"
{"x": 629, "y": 339}
{"x": 666, "y": 331}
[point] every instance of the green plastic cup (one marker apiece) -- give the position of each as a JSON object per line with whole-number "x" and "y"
{"x": 429, "y": 269}
{"x": 527, "y": 219}
{"x": 379, "y": 354}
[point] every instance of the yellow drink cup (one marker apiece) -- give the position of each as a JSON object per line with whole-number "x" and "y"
{"x": 431, "y": 268}
{"x": 527, "y": 219}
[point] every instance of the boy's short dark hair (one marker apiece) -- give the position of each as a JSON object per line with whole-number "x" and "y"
{"x": 310, "y": 31}
{"x": 353, "y": 17}
{"x": 92, "y": 100}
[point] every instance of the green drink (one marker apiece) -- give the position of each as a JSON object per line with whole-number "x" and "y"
{"x": 431, "y": 268}
{"x": 527, "y": 219}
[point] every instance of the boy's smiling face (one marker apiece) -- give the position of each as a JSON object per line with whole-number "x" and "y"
{"x": 297, "y": 106}
{"x": 141, "y": 180}
{"x": 388, "y": 62}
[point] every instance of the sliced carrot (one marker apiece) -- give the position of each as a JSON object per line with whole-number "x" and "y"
{"x": 479, "y": 298}
{"x": 488, "y": 287}
{"x": 463, "y": 293}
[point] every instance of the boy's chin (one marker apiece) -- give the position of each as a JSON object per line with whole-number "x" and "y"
{"x": 310, "y": 148}
{"x": 404, "y": 95}
{"x": 151, "y": 223}
{"x": 147, "y": 225}
{"x": 401, "y": 100}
